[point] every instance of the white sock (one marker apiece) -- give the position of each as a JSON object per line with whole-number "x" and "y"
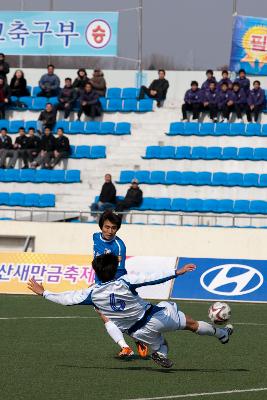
{"x": 207, "y": 329}
{"x": 116, "y": 334}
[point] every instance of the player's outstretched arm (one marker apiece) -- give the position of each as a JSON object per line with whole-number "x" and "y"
{"x": 185, "y": 268}
{"x": 35, "y": 287}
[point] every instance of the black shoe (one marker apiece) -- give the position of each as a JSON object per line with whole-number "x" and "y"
{"x": 161, "y": 360}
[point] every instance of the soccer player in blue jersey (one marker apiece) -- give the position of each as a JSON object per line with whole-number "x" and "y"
{"x": 118, "y": 300}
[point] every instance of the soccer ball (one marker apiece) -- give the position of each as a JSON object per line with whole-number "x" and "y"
{"x": 219, "y": 313}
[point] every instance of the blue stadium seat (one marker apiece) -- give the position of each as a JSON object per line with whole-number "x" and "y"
{"x": 225, "y": 206}
{"x": 237, "y": 129}
{"x": 63, "y": 125}
{"x": 47, "y": 200}
{"x": 15, "y": 125}
{"x": 123, "y": 128}
{"x": 194, "y": 205}
{"x": 147, "y": 204}
{"x": 114, "y": 105}
{"x": 76, "y": 127}
{"x": 98, "y": 152}
{"x": 191, "y": 128}
{"x": 189, "y": 178}
{"x": 214, "y": 153}
{"x": 158, "y": 178}
{"x": 130, "y": 105}
{"x": 16, "y": 199}
{"x": 183, "y": 152}
{"x": 253, "y": 129}
{"x": 27, "y": 175}
{"x": 42, "y": 175}
{"x": 167, "y": 152}
{"x": 260, "y": 154}
{"x": 53, "y": 101}
{"x": 30, "y": 124}
{"x": 258, "y": 207}
{"x": 35, "y": 91}
{"x": 72, "y": 151}
{"x": 73, "y": 176}
{"x": 219, "y": 179}
{"x": 83, "y": 152}
{"x": 222, "y": 129}
{"x": 103, "y": 102}
{"x": 206, "y": 129}
{"x": 2, "y": 175}
{"x": 57, "y": 176}
{"x": 129, "y": 93}
{"x": 162, "y": 204}
{"x": 4, "y": 123}
{"x": 29, "y": 87}
{"x": 32, "y": 200}
{"x": 126, "y": 176}
{"x": 143, "y": 176}
{"x": 251, "y": 180}
{"x": 92, "y": 127}
{"x": 176, "y": 128}
{"x": 39, "y": 103}
{"x": 4, "y": 198}
{"x": 152, "y": 152}
{"x": 179, "y": 204}
{"x": 210, "y": 205}
{"x": 229, "y": 153}
{"x": 12, "y": 175}
{"x": 246, "y": 153}
{"x": 27, "y": 100}
{"x": 199, "y": 152}
{"x": 241, "y": 206}
{"x": 263, "y": 180}
{"x": 107, "y": 128}
{"x": 173, "y": 178}
{"x": 204, "y": 178}
{"x": 264, "y": 130}
{"x": 235, "y": 179}
{"x": 113, "y": 93}
{"x": 145, "y": 105}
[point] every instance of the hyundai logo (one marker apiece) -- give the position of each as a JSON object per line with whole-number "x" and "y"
{"x": 231, "y": 280}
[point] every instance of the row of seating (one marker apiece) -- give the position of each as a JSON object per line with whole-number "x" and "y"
{"x": 211, "y": 129}
{"x": 27, "y": 199}
{"x": 92, "y": 152}
{"x": 194, "y": 178}
{"x": 206, "y": 153}
{"x": 40, "y": 176}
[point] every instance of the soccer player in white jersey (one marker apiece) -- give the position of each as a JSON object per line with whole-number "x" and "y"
{"x": 118, "y": 300}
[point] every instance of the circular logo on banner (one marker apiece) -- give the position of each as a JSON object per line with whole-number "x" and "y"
{"x": 98, "y": 33}
{"x": 231, "y": 280}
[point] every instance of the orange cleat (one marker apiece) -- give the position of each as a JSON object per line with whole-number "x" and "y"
{"x": 142, "y": 349}
{"x": 126, "y": 352}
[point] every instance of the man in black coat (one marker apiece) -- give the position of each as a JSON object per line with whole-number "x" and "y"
{"x": 89, "y": 102}
{"x": 62, "y": 149}
{"x": 6, "y": 148}
{"x": 133, "y": 198}
{"x": 47, "y": 118}
{"x": 48, "y": 145}
{"x": 33, "y": 149}
{"x": 107, "y": 198}
{"x": 19, "y": 148}
{"x": 66, "y": 98}
{"x": 157, "y": 89}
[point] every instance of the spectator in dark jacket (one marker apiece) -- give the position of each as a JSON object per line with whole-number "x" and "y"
{"x": 107, "y": 198}
{"x": 210, "y": 79}
{"x": 256, "y": 101}
{"x": 133, "y": 198}
{"x": 18, "y": 85}
{"x": 62, "y": 149}
{"x": 225, "y": 102}
{"x": 19, "y": 148}
{"x": 210, "y": 102}
{"x": 81, "y": 80}
{"x": 243, "y": 81}
{"x": 98, "y": 82}
{"x": 4, "y": 67}
{"x": 47, "y": 118}
{"x": 225, "y": 79}
{"x": 157, "y": 89}
{"x": 240, "y": 102}
{"x": 89, "y": 103}
{"x": 67, "y": 97}
{"x": 48, "y": 145}
{"x": 4, "y": 97}
{"x": 49, "y": 83}
{"x": 6, "y": 148}
{"x": 34, "y": 147}
{"x": 192, "y": 102}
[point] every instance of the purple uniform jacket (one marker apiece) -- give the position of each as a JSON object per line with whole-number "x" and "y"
{"x": 211, "y": 96}
{"x": 244, "y": 84}
{"x": 256, "y": 97}
{"x": 193, "y": 97}
{"x": 224, "y": 97}
{"x": 240, "y": 97}
{"x": 206, "y": 85}
{"x": 224, "y": 80}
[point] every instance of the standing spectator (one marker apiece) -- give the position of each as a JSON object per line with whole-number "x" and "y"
{"x": 81, "y": 80}
{"x": 107, "y": 198}
{"x": 6, "y": 148}
{"x": 133, "y": 198}
{"x": 192, "y": 102}
{"x": 256, "y": 100}
{"x": 157, "y": 89}
{"x": 210, "y": 79}
{"x": 240, "y": 102}
{"x": 34, "y": 148}
{"x": 18, "y": 85}
{"x": 210, "y": 102}
{"x": 48, "y": 145}
{"x": 98, "y": 82}
{"x": 62, "y": 149}
{"x": 19, "y": 148}
{"x": 89, "y": 103}
{"x": 4, "y": 67}
{"x": 225, "y": 79}
{"x": 47, "y": 118}
{"x": 49, "y": 83}
{"x": 66, "y": 98}
{"x": 243, "y": 81}
{"x": 225, "y": 102}
{"x": 4, "y": 98}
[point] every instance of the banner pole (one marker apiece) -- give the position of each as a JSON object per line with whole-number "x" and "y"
{"x": 140, "y": 43}
{"x": 21, "y": 56}
{"x": 234, "y": 8}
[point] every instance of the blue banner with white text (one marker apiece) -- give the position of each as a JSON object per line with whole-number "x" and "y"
{"x": 249, "y": 45}
{"x": 59, "y": 33}
{"x": 222, "y": 279}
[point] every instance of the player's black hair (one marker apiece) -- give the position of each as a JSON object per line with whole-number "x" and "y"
{"x": 224, "y": 84}
{"x": 162, "y": 70}
{"x": 67, "y": 79}
{"x": 105, "y": 266}
{"x": 194, "y": 83}
{"x": 4, "y": 129}
{"x": 236, "y": 84}
{"x": 31, "y": 128}
{"x": 209, "y": 71}
{"x": 256, "y": 82}
{"x": 241, "y": 70}
{"x": 50, "y": 65}
{"x": 112, "y": 217}
{"x": 225, "y": 72}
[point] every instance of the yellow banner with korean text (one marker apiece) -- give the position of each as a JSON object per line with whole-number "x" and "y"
{"x": 57, "y": 272}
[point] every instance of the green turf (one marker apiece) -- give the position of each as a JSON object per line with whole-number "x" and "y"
{"x": 73, "y": 359}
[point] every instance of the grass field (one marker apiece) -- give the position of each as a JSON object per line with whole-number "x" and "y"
{"x": 74, "y": 359}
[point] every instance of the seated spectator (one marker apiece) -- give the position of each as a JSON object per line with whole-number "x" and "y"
{"x": 157, "y": 89}
{"x": 47, "y": 118}
{"x": 107, "y": 198}
{"x": 4, "y": 67}
{"x": 243, "y": 81}
{"x": 33, "y": 149}
{"x": 6, "y": 148}
{"x": 225, "y": 102}
{"x": 19, "y": 148}
{"x": 18, "y": 85}
{"x": 240, "y": 102}
{"x": 256, "y": 101}
{"x": 210, "y": 102}
{"x": 48, "y": 145}
{"x": 225, "y": 79}
{"x": 81, "y": 80}
{"x": 210, "y": 79}
{"x": 89, "y": 103}
{"x": 62, "y": 150}
{"x": 98, "y": 82}
{"x": 4, "y": 98}
{"x": 133, "y": 198}
{"x": 49, "y": 83}
{"x": 66, "y": 98}
{"x": 192, "y": 102}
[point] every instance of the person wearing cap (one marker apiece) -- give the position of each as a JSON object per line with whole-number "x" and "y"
{"x": 133, "y": 198}
{"x": 107, "y": 198}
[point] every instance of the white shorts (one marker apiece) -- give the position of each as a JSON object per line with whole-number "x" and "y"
{"x": 166, "y": 320}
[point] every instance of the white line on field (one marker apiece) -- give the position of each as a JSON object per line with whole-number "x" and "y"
{"x": 183, "y": 396}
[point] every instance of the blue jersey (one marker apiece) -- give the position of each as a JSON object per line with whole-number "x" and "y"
{"x": 115, "y": 246}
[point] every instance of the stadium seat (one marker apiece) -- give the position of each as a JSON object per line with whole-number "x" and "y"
{"x": 147, "y": 204}
{"x": 167, "y": 152}
{"x": 57, "y": 176}
{"x": 204, "y": 178}
{"x": 129, "y": 93}
{"x": 219, "y": 179}
{"x": 62, "y": 124}
{"x": 114, "y": 105}
{"x": 123, "y": 128}
{"x": 191, "y": 128}
{"x": 189, "y": 178}
{"x": 222, "y": 129}
{"x": 250, "y": 180}
{"x": 30, "y": 124}
{"x": 260, "y": 154}
{"x": 16, "y": 199}
{"x": 263, "y": 180}
{"x": 4, "y": 123}
{"x": 237, "y": 129}
{"x": 98, "y": 152}
{"x": 29, "y": 87}
{"x": 15, "y": 125}
{"x": 173, "y": 178}
{"x": 113, "y": 93}
{"x": 39, "y": 103}
{"x": 145, "y": 105}
{"x": 258, "y": 207}
{"x": 206, "y": 129}
{"x": 199, "y": 152}
{"x": 142, "y": 176}
{"x": 229, "y": 153}
{"x": 42, "y": 175}
{"x": 158, "y": 178}
{"x": 214, "y": 153}
{"x": 76, "y": 127}
{"x": 53, "y": 100}
{"x": 28, "y": 175}
{"x": 130, "y": 105}
{"x": 107, "y": 128}
{"x": 241, "y": 207}
{"x": 194, "y": 205}
{"x": 2, "y": 175}
{"x": 31, "y": 200}
{"x": 47, "y": 200}
{"x": 103, "y": 102}
{"x": 253, "y": 129}
{"x": 4, "y": 198}
{"x": 73, "y": 176}
{"x": 210, "y": 205}
{"x": 264, "y": 130}
{"x": 176, "y": 128}
{"x": 35, "y": 91}
{"x": 92, "y": 127}
{"x": 126, "y": 176}
{"x": 183, "y": 152}
{"x": 235, "y": 179}
{"x": 178, "y": 204}
{"x": 83, "y": 152}
{"x": 225, "y": 206}
{"x": 162, "y": 204}
{"x": 246, "y": 153}
{"x": 27, "y": 100}
{"x": 152, "y": 152}
{"x": 12, "y": 175}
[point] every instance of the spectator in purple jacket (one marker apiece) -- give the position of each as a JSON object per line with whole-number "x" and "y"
{"x": 240, "y": 102}
{"x": 225, "y": 79}
{"x": 225, "y": 102}
{"x": 210, "y": 79}
{"x": 89, "y": 102}
{"x": 192, "y": 102}
{"x": 210, "y": 102}
{"x": 243, "y": 81}
{"x": 256, "y": 100}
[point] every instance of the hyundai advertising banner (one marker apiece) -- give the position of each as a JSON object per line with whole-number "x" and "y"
{"x": 222, "y": 279}
{"x": 59, "y": 33}
{"x": 249, "y": 45}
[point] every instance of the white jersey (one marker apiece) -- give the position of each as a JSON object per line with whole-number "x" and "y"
{"x": 117, "y": 300}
